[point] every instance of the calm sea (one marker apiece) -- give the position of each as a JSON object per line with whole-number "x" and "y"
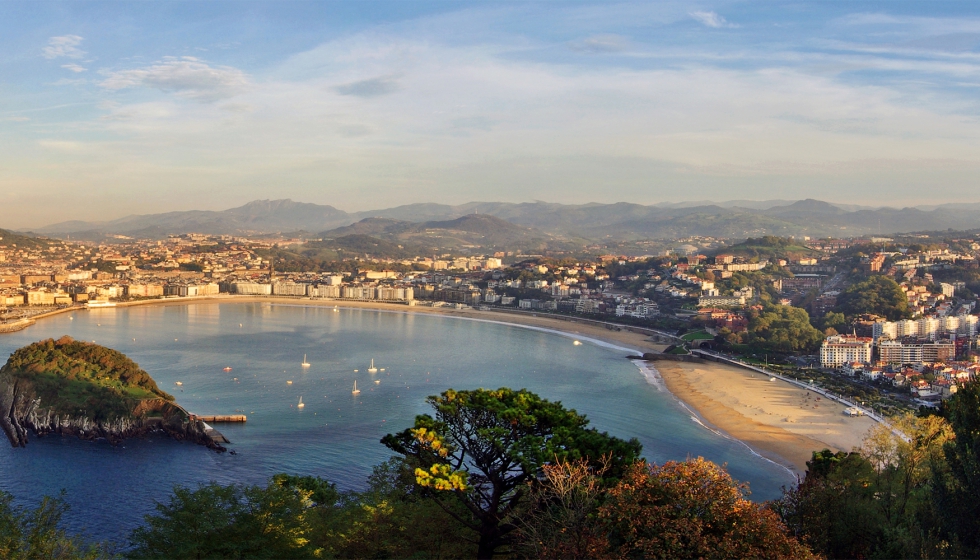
{"x": 336, "y": 435}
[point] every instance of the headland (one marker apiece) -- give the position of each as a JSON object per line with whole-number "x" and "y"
{"x": 79, "y": 389}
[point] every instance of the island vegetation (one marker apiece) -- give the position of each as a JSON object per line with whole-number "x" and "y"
{"x": 72, "y": 377}
{"x": 81, "y": 389}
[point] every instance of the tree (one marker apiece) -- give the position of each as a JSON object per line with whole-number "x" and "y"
{"x": 484, "y": 447}
{"x": 832, "y": 320}
{"x": 877, "y": 502}
{"x": 391, "y": 519}
{"x": 690, "y": 509}
{"x": 957, "y": 491}
{"x": 235, "y": 521}
{"x": 878, "y": 295}
{"x": 782, "y": 328}
{"x": 34, "y": 534}
{"x": 561, "y": 519}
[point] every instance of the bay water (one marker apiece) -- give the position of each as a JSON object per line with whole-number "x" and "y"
{"x": 336, "y": 434}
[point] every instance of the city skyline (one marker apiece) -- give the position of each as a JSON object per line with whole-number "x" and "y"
{"x": 112, "y": 109}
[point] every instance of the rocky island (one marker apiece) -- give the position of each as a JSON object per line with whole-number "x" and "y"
{"x": 75, "y": 388}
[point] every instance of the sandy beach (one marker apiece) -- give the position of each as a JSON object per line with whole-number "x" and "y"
{"x": 782, "y": 422}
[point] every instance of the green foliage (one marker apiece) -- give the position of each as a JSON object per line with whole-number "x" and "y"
{"x": 878, "y": 295}
{"x": 876, "y": 503}
{"x": 74, "y": 377}
{"x": 33, "y": 534}
{"x": 783, "y": 329}
{"x": 483, "y": 447}
{"x": 770, "y": 247}
{"x": 833, "y": 320}
{"x": 958, "y": 489}
{"x": 392, "y": 520}
{"x": 234, "y": 521}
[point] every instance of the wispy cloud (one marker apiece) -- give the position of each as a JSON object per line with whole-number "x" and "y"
{"x": 17, "y": 119}
{"x": 373, "y": 87}
{"x": 606, "y": 43}
{"x": 63, "y": 46}
{"x": 187, "y": 76}
{"x": 74, "y": 68}
{"x": 711, "y": 19}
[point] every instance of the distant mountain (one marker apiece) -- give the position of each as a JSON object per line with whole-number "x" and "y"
{"x": 260, "y": 216}
{"x": 473, "y": 230}
{"x": 546, "y": 222}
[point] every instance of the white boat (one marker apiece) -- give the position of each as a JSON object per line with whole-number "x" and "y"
{"x": 356, "y": 390}
{"x": 289, "y": 382}
{"x": 377, "y": 382}
{"x": 178, "y": 383}
{"x": 577, "y": 343}
{"x": 772, "y": 379}
{"x": 372, "y": 369}
{"x": 300, "y": 405}
{"x": 305, "y": 363}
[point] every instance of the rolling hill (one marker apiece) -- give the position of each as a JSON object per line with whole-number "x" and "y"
{"x": 542, "y": 221}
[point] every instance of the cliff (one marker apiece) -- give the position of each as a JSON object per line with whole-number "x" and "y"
{"x": 75, "y": 389}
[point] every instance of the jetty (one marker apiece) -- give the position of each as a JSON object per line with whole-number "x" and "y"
{"x": 217, "y": 437}
{"x": 219, "y": 418}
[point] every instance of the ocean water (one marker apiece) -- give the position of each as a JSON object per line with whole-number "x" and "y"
{"x": 336, "y": 435}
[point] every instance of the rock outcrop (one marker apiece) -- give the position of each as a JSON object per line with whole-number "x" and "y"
{"x": 22, "y": 413}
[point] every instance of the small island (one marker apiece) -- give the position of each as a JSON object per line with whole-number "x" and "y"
{"x": 75, "y": 388}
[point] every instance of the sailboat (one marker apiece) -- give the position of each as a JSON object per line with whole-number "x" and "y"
{"x": 372, "y": 369}
{"x": 305, "y": 363}
{"x": 356, "y": 390}
{"x": 300, "y": 405}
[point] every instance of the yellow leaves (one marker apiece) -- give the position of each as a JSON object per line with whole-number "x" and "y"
{"x": 431, "y": 440}
{"x": 441, "y": 477}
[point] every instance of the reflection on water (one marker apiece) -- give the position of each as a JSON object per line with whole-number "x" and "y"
{"x": 336, "y": 435}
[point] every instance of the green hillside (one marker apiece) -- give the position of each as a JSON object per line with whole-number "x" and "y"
{"x": 11, "y": 239}
{"x": 769, "y": 246}
{"x": 80, "y": 378}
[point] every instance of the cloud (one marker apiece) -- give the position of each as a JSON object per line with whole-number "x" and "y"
{"x": 69, "y": 146}
{"x": 601, "y": 44}
{"x": 17, "y": 119}
{"x": 64, "y": 46}
{"x": 74, "y": 68}
{"x": 374, "y": 87}
{"x": 187, "y": 76}
{"x": 711, "y": 19}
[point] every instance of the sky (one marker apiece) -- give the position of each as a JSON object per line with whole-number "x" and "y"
{"x": 118, "y": 108}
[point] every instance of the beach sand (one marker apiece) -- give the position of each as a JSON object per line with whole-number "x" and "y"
{"x": 782, "y": 422}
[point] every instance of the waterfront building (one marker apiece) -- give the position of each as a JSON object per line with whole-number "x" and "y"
{"x": 839, "y": 350}
{"x": 252, "y": 288}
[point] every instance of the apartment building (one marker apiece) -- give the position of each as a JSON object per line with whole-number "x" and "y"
{"x": 839, "y": 350}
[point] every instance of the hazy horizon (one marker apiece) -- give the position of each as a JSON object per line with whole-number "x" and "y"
{"x": 113, "y": 109}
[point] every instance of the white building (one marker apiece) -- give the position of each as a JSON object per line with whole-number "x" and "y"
{"x": 252, "y": 288}
{"x": 839, "y": 350}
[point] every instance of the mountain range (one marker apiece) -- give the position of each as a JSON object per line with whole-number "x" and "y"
{"x": 543, "y": 221}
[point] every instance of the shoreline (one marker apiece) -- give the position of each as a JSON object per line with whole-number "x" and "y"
{"x": 778, "y": 421}
{"x": 788, "y": 440}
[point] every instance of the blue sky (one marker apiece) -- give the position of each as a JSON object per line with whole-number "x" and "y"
{"x": 109, "y": 109}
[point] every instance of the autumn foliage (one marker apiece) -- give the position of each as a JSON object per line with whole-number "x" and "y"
{"x": 690, "y": 509}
